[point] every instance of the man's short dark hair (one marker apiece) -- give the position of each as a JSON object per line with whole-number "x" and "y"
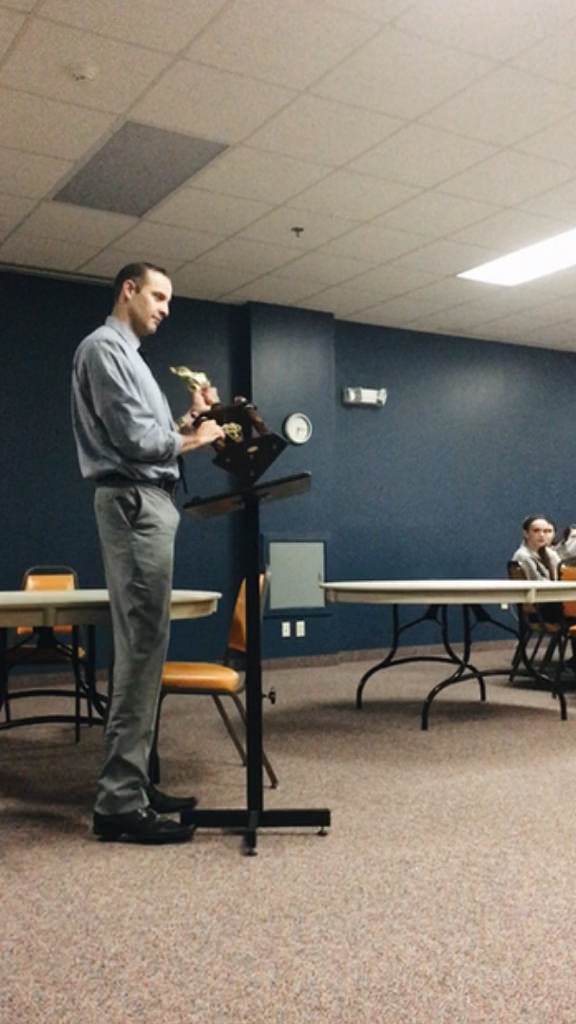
{"x": 134, "y": 272}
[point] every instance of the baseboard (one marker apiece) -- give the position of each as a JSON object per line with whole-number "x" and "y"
{"x": 375, "y": 655}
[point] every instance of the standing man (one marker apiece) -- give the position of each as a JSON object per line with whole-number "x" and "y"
{"x": 129, "y": 449}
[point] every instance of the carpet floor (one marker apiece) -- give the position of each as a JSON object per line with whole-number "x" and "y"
{"x": 442, "y": 893}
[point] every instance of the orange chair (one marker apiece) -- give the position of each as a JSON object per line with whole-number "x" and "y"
{"x": 45, "y": 646}
{"x": 567, "y": 572}
{"x": 199, "y": 678}
{"x": 535, "y": 631}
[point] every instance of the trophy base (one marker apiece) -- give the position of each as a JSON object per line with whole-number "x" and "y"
{"x": 247, "y": 460}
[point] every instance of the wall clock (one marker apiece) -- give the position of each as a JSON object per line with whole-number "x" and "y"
{"x": 297, "y": 428}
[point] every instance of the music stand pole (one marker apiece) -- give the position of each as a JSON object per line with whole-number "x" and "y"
{"x": 254, "y": 816}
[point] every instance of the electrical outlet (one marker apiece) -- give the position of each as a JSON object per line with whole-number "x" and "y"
{"x": 300, "y": 627}
{"x": 286, "y": 630}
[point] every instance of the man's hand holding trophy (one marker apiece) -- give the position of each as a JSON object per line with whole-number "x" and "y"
{"x": 238, "y": 452}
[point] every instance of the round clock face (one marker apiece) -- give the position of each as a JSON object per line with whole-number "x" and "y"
{"x": 297, "y": 428}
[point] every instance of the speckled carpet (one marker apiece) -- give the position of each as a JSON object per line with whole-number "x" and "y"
{"x": 444, "y": 892}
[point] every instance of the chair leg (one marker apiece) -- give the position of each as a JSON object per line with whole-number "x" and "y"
{"x": 4, "y": 694}
{"x": 154, "y": 759}
{"x": 229, "y": 727}
{"x": 267, "y": 766}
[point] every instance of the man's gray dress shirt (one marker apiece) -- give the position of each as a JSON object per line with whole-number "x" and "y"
{"x": 122, "y": 421}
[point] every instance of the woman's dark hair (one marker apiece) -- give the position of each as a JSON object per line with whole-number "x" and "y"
{"x": 527, "y": 523}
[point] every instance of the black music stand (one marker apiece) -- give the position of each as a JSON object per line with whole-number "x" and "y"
{"x": 249, "y": 819}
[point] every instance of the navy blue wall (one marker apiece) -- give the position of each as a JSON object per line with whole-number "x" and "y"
{"x": 475, "y": 435}
{"x": 292, "y": 358}
{"x": 435, "y": 484}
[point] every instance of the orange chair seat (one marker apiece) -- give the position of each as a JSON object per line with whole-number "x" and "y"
{"x": 200, "y": 675}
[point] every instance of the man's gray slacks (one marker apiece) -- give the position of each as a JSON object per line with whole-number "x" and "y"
{"x": 136, "y": 525}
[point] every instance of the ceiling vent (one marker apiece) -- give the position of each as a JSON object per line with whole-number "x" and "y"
{"x": 136, "y": 168}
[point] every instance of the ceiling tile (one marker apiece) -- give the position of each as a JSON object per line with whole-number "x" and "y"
{"x": 20, "y": 5}
{"x": 390, "y": 279}
{"x": 401, "y": 75}
{"x": 74, "y": 224}
{"x": 559, "y": 203}
{"x": 310, "y": 127}
{"x": 27, "y": 174}
{"x": 254, "y": 174}
{"x": 46, "y": 52}
{"x": 12, "y": 211}
{"x": 560, "y": 336}
{"x": 509, "y": 230}
{"x": 51, "y": 253}
{"x": 10, "y": 24}
{"x": 553, "y": 57}
{"x": 168, "y": 241}
{"x": 278, "y": 227}
{"x": 142, "y": 22}
{"x": 446, "y": 293}
{"x": 409, "y": 308}
{"x": 199, "y": 210}
{"x": 255, "y": 257}
{"x": 509, "y": 178}
{"x": 340, "y": 300}
{"x": 447, "y": 321}
{"x": 210, "y": 103}
{"x": 376, "y": 315}
{"x": 318, "y": 270}
{"x": 375, "y": 243}
{"x": 49, "y": 128}
{"x": 447, "y": 257}
{"x": 290, "y": 42}
{"x": 504, "y": 106}
{"x": 352, "y": 195}
{"x": 557, "y": 142}
{"x": 380, "y": 10}
{"x": 491, "y": 28}
{"x": 435, "y": 213}
{"x": 276, "y": 290}
{"x": 422, "y": 156}
{"x": 109, "y": 261}
{"x": 201, "y": 280}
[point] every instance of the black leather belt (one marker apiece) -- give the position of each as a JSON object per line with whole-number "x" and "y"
{"x": 166, "y": 483}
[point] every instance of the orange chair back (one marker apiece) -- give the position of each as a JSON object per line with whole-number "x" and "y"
{"x": 568, "y": 572}
{"x": 516, "y": 572}
{"x": 48, "y": 581}
{"x": 237, "y": 631}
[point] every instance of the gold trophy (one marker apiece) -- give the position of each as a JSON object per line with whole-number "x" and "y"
{"x": 240, "y": 452}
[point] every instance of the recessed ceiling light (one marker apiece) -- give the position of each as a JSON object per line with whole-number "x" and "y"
{"x": 538, "y": 260}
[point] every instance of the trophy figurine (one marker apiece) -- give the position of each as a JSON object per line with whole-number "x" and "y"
{"x": 248, "y": 447}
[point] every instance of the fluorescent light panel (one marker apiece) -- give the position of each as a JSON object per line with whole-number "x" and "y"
{"x": 538, "y": 260}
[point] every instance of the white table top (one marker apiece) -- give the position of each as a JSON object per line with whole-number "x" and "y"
{"x": 442, "y": 592}
{"x": 88, "y": 607}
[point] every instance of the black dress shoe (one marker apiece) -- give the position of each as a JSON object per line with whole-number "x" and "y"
{"x": 141, "y": 826}
{"x": 164, "y": 804}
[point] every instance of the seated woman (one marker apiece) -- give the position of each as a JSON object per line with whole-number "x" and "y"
{"x": 536, "y": 556}
{"x": 539, "y": 560}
